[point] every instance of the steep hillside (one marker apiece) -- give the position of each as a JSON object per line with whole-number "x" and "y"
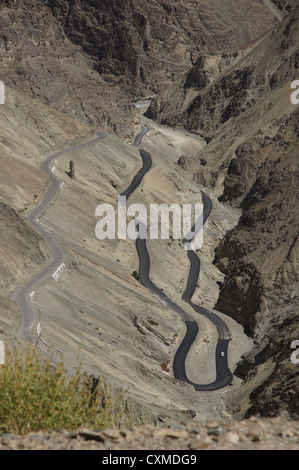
{"x": 241, "y": 104}
{"x": 29, "y": 129}
{"x": 73, "y": 67}
{"x": 144, "y": 46}
{"x": 97, "y": 310}
{"x": 228, "y": 86}
{"x": 37, "y": 58}
{"x": 89, "y": 59}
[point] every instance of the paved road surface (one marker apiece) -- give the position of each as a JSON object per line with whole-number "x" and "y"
{"x": 21, "y": 295}
{"x": 223, "y": 374}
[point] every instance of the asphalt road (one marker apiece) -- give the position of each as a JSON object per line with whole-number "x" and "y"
{"x": 21, "y": 295}
{"x": 223, "y": 374}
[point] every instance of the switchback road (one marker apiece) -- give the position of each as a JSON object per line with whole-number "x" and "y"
{"x": 22, "y": 295}
{"x": 223, "y": 374}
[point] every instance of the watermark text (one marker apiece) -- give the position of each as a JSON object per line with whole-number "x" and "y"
{"x": 295, "y": 354}
{"x": 160, "y": 221}
{"x": 295, "y": 94}
{"x": 2, "y": 93}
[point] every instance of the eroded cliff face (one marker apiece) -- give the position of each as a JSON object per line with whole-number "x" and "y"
{"x": 260, "y": 259}
{"x": 37, "y": 59}
{"x": 145, "y": 46}
{"x": 223, "y": 87}
{"x": 241, "y": 104}
{"x": 89, "y": 59}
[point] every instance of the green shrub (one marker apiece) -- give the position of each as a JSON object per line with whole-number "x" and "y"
{"x": 36, "y": 396}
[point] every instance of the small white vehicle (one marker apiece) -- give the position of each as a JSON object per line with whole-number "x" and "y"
{"x": 222, "y": 354}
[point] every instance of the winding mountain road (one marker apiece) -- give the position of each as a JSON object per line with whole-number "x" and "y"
{"x": 22, "y": 295}
{"x": 223, "y": 374}
{"x": 147, "y": 163}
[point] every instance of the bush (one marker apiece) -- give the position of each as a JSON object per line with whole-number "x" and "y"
{"x": 135, "y": 275}
{"x": 36, "y": 396}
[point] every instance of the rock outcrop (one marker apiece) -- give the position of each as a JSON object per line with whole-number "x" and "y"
{"x": 145, "y": 46}
{"x": 39, "y": 60}
{"x": 249, "y": 434}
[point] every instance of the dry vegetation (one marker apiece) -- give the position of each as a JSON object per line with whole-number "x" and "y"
{"x": 37, "y": 396}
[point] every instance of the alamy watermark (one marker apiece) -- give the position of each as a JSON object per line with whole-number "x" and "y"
{"x": 295, "y": 94}
{"x": 2, "y": 93}
{"x": 160, "y": 221}
{"x": 294, "y": 358}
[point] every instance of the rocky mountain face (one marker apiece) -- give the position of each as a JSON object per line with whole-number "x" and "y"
{"x": 144, "y": 46}
{"x": 241, "y": 104}
{"x": 248, "y": 434}
{"x": 286, "y": 5}
{"x": 222, "y": 87}
{"x": 89, "y": 59}
{"x": 37, "y": 58}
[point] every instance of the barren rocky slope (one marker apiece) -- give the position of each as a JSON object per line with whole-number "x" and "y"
{"x": 60, "y": 88}
{"x": 90, "y": 59}
{"x": 285, "y": 5}
{"x": 251, "y": 126}
{"x": 29, "y": 129}
{"x": 128, "y": 336}
{"x": 144, "y": 46}
{"x": 38, "y": 59}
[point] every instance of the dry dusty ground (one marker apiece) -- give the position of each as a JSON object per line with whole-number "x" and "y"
{"x": 252, "y": 434}
{"x": 122, "y": 331}
{"x": 97, "y": 312}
